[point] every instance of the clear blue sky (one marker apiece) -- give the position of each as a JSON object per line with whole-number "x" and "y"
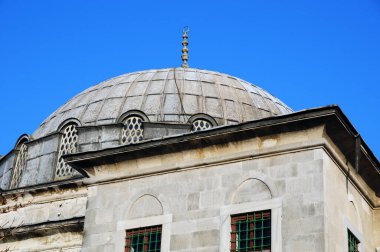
{"x": 307, "y": 53}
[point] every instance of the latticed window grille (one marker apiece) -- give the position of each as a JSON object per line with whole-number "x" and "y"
{"x": 353, "y": 242}
{"x": 201, "y": 124}
{"x": 68, "y": 144}
{"x": 251, "y": 232}
{"x": 19, "y": 166}
{"x": 146, "y": 239}
{"x": 133, "y": 130}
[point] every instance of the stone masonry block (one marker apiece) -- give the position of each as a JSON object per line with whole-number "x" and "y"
{"x": 183, "y": 227}
{"x": 193, "y": 201}
{"x": 180, "y": 242}
{"x": 46, "y": 168}
{"x": 196, "y": 214}
{"x": 89, "y": 147}
{"x": 98, "y": 239}
{"x": 110, "y": 133}
{"x": 110, "y": 144}
{"x": 211, "y": 199}
{"x": 205, "y": 238}
{"x": 34, "y": 150}
{"x": 88, "y": 135}
{"x": 299, "y": 185}
{"x": 310, "y": 168}
{"x": 284, "y": 171}
{"x": 30, "y": 173}
{"x": 5, "y": 183}
{"x": 304, "y": 156}
{"x": 280, "y": 160}
{"x": 50, "y": 144}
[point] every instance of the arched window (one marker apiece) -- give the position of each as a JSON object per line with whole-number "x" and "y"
{"x": 201, "y": 124}
{"x": 133, "y": 130}
{"x": 19, "y": 165}
{"x": 67, "y": 145}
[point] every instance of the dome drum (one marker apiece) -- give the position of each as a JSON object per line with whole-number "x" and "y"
{"x": 131, "y": 108}
{"x": 41, "y": 159}
{"x": 40, "y": 162}
{"x": 154, "y": 130}
{"x": 92, "y": 138}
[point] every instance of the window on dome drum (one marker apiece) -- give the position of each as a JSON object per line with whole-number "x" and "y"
{"x": 145, "y": 239}
{"x": 251, "y": 232}
{"x": 133, "y": 130}
{"x": 19, "y": 166}
{"x": 353, "y": 242}
{"x": 68, "y": 144}
{"x": 201, "y": 124}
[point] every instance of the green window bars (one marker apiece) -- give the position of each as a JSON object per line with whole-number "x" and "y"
{"x": 353, "y": 242}
{"x": 251, "y": 232}
{"x": 146, "y": 239}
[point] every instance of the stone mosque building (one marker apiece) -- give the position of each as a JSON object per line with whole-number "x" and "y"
{"x": 183, "y": 159}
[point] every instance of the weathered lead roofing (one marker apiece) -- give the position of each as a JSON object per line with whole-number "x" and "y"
{"x": 168, "y": 95}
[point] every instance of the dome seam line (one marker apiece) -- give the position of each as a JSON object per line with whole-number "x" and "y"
{"x": 145, "y": 96}
{"x": 105, "y": 98}
{"x": 120, "y": 112}
{"x": 163, "y": 97}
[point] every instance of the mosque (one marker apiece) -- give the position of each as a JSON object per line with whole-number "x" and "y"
{"x": 183, "y": 159}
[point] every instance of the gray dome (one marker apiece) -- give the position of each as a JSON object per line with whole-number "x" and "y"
{"x": 168, "y": 95}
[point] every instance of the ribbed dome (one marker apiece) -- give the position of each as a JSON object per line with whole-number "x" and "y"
{"x": 168, "y": 95}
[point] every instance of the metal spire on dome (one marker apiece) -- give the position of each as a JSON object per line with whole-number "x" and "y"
{"x": 185, "y": 50}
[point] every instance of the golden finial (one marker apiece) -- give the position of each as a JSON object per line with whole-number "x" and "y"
{"x": 185, "y": 57}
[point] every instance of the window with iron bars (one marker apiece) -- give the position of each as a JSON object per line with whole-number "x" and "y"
{"x": 68, "y": 144}
{"x": 133, "y": 130}
{"x": 201, "y": 124}
{"x": 145, "y": 239}
{"x": 251, "y": 232}
{"x": 353, "y": 242}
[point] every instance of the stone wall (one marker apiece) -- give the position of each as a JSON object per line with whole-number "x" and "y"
{"x": 191, "y": 201}
{"x": 40, "y": 165}
{"x": 192, "y": 193}
{"x": 42, "y": 153}
{"x": 376, "y": 230}
{"x": 48, "y": 220}
{"x": 50, "y": 242}
{"x": 41, "y": 161}
{"x": 346, "y": 209}
{"x": 6, "y": 169}
{"x": 92, "y": 138}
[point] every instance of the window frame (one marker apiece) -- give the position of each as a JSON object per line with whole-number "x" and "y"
{"x": 19, "y": 164}
{"x": 349, "y": 227}
{"x": 249, "y": 225}
{"x": 61, "y": 142}
{"x": 146, "y": 236}
{"x": 125, "y": 126}
{"x": 351, "y": 236}
{"x": 201, "y": 120}
{"x": 163, "y": 220}
{"x": 226, "y": 212}
{"x": 204, "y": 117}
